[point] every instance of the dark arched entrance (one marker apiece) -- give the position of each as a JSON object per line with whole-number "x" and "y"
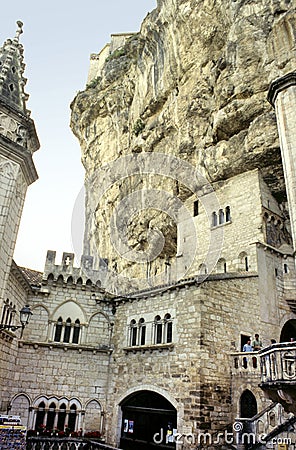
{"x": 248, "y": 404}
{"x": 288, "y": 331}
{"x": 147, "y": 419}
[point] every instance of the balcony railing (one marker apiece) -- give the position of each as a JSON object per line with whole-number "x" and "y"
{"x": 246, "y": 363}
{"x": 278, "y": 363}
{"x": 52, "y": 443}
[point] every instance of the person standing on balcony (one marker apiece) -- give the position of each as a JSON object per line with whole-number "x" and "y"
{"x": 248, "y": 347}
{"x": 257, "y": 344}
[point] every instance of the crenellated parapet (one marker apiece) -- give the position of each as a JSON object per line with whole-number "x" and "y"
{"x": 97, "y": 60}
{"x": 67, "y": 273}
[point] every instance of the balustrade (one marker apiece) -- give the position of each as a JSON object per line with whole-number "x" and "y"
{"x": 246, "y": 362}
{"x": 278, "y": 363}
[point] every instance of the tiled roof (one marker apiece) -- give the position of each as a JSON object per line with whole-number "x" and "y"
{"x": 33, "y": 276}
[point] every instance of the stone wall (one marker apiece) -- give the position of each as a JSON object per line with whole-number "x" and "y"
{"x": 12, "y": 195}
{"x": 194, "y": 372}
{"x": 42, "y": 367}
{"x": 16, "y": 295}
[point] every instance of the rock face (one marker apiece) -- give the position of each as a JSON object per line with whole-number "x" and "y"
{"x": 193, "y": 84}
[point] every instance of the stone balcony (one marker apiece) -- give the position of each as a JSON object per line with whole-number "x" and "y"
{"x": 278, "y": 374}
{"x": 246, "y": 364}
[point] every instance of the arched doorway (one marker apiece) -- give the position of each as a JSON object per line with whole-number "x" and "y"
{"x": 20, "y": 407}
{"x": 288, "y": 331}
{"x": 147, "y": 419}
{"x": 248, "y": 404}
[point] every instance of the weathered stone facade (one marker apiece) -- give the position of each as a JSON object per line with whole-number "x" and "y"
{"x": 188, "y": 238}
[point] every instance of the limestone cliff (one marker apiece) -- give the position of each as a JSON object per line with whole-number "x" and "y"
{"x": 192, "y": 83}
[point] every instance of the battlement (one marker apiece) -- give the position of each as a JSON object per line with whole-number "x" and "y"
{"x": 67, "y": 273}
{"x": 97, "y": 60}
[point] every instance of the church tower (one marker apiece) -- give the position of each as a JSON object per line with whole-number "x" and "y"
{"x": 18, "y": 142}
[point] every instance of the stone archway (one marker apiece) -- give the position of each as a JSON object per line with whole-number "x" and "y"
{"x": 93, "y": 412}
{"x": 248, "y": 405}
{"x": 148, "y": 419}
{"x": 288, "y": 332}
{"x": 20, "y": 407}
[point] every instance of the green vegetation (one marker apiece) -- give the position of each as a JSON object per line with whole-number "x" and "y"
{"x": 93, "y": 83}
{"x": 116, "y": 54}
{"x": 138, "y": 127}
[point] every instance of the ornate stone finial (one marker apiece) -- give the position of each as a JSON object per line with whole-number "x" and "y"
{"x": 19, "y": 31}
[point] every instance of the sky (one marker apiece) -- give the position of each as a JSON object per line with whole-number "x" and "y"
{"x": 58, "y": 38}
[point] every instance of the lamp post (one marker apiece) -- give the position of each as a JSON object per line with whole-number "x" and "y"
{"x": 25, "y": 314}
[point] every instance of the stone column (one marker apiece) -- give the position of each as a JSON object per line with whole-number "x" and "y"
{"x": 45, "y": 418}
{"x": 282, "y": 96}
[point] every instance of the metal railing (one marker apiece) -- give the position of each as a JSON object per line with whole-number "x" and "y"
{"x": 68, "y": 443}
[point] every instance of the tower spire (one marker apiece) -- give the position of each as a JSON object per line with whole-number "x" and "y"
{"x": 12, "y": 67}
{"x": 19, "y": 30}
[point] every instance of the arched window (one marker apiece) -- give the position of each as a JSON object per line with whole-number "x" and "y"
{"x": 221, "y": 266}
{"x": 58, "y": 330}
{"x": 168, "y": 328}
{"x": 60, "y": 279}
{"x": 40, "y": 416}
{"x": 67, "y": 331}
{"x": 11, "y": 313}
{"x": 51, "y": 416}
{"x": 158, "y": 330}
{"x": 8, "y": 313}
{"x": 4, "y": 312}
{"x": 202, "y": 269}
{"x": 221, "y": 216}
{"x": 227, "y": 214}
{"x": 133, "y": 332}
{"x": 248, "y": 404}
{"x": 246, "y": 263}
{"x": 142, "y": 331}
{"x": 243, "y": 262}
{"x": 62, "y": 417}
{"x": 214, "y": 219}
{"x": 286, "y": 268}
{"x": 76, "y": 332}
{"x": 72, "y": 418}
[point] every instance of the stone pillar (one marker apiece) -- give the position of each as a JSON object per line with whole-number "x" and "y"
{"x": 45, "y": 418}
{"x": 55, "y": 422}
{"x": 282, "y": 96}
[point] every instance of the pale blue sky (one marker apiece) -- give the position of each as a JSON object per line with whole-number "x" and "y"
{"x": 58, "y": 38}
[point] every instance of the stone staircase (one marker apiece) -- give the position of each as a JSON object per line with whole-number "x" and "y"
{"x": 268, "y": 429}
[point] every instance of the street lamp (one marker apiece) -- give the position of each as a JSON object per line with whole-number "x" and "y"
{"x": 25, "y": 314}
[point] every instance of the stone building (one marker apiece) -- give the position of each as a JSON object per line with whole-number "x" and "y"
{"x": 143, "y": 342}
